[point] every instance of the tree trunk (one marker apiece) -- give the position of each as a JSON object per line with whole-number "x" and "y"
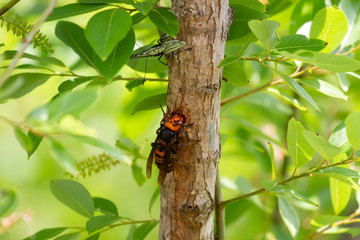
{"x": 187, "y": 195}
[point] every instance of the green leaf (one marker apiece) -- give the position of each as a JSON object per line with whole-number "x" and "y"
{"x": 99, "y": 222}
{"x": 73, "y": 10}
{"x": 117, "y": 58}
{"x": 272, "y": 187}
{"x": 131, "y": 232}
{"x": 250, "y": 3}
{"x": 329, "y": 24}
{"x": 299, "y": 149}
{"x": 243, "y": 14}
{"x": 74, "y": 36}
{"x": 352, "y": 123}
{"x": 137, "y": 17}
{"x": 228, "y": 59}
{"x": 287, "y": 98}
{"x": 340, "y": 195}
{"x": 301, "y": 198}
{"x": 95, "y": 236}
{"x": 138, "y": 174}
{"x": 143, "y": 230}
{"x": 325, "y": 88}
{"x": 71, "y": 84}
{"x": 130, "y": 85}
{"x": 74, "y": 195}
{"x": 235, "y": 74}
{"x": 48, "y": 60}
{"x": 330, "y": 62}
{"x": 23, "y": 139}
{"x": 68, "y": 236}
{"x": 345, "y": 172}
{"x": 289, "y": 216}
{"x": 303, "y": 12}
{"x": 339, "y": 138}
{"x": 265, "y": 31}
{"x": 105, "y": 29}
{"x": 72, "y": 103}
{"x": 150, "y": 103}
{"x": 21, "y": 84}
{"x": 296, "y": 42}
{"x": 298, "y": 89}
{"x": 144, "y": 6}
{"x": 105, "y": 206}
{"x": 154, "y": 196}
{"x": 321, "y": 146}
{"x": 103, "y": 146}
{"x": 272, "y": 161}
{"x": 343, "y": 81}
{"x": 351, "y": 8}
{"x": 324, "y": 220}
{"x": 65, "y": 160}
{"x": 46, "y": 234}
{"x": 164, "y": 20}
{"x": 129, "y": 146}
{"x": 7, "y": 201}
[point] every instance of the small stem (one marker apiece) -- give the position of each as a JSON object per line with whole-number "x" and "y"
{"x": 27, "y": 41}
{"x": 9, "y": 5}
{"x": 351, "y": 50}
{"x": 219, "y": 210}
{"x": 352, "y": 219}
{"x": 147, "y": 79}
{"x": 292, "y": 178}
{"x": 252, "y": 91}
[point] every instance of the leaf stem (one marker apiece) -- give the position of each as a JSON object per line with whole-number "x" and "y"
{"x": 352, "y": 219}
{"x": 219, "y": 211}
{"x": 7, "y": 6}
{"x": 292, "y": 178}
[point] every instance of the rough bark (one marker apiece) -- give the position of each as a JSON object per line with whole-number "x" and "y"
{"x": 187, "y": 195}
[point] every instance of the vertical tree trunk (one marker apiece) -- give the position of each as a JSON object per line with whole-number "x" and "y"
{"x": 187, "y": 195}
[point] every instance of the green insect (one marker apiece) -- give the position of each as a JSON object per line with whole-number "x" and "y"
{"x": 165, "y": 46}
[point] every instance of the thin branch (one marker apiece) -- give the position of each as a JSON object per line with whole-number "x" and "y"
{"x": 352, "y": 219}
{"x": 219, "y": 210}
{"x": 9, "y": 5}
{"x": 351, "y": 50}
{"x": 27, "y": 41}
{"x": 252, "y": 91}
{"x": 147, "y": 79}
{"x": 292, "y": 178}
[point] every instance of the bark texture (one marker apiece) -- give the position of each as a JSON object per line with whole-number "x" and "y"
{"x": 187, "y": 195}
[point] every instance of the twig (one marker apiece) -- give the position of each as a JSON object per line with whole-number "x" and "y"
{"x": 292, "y": 178}
{"x": 352, "y": 219}
{"x": 147, "y": 79}
{"x": 219, "y": 211}
{"x": 9, "y": 5}
{"x": 27, "y": 41}
{"x": 252, "y": 91}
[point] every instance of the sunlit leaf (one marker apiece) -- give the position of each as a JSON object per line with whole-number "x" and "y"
{"x": 329, "y": 24}
{"x": 321, "y": 146}
{"x": 101, "y": 221}
{"x": 352, "y": 123}
{"x": 340, "y": 195}
{"x": 296, "y": 42}
{"x": 325, "y": 88}
{"x": 324, "y": 220}
{"x": 105, "y": 29}
{"x": 272, "y": 187}
{"x": 235, "y": 74}
{"x": 138, "y": 174}
{"x": 289, "y": 216}
{"x": 331, "y": 62}
{"x": 265, "y": 31}
{"x": 68, "y": 236}
{"x": 73, "y": 10}
{"x": 74, "y": 195}
{"x": 272, "y": 161}
{"x": 287, "y": 98}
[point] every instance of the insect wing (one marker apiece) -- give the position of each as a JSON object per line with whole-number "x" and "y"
{"x": 172, "y": 45}
{"x": 151, "y": 52}
{"x": 151, "y": 159}
{"x": 164, "y": 166}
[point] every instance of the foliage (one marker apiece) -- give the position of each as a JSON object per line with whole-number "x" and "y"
{"x": 293, "y": 79}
